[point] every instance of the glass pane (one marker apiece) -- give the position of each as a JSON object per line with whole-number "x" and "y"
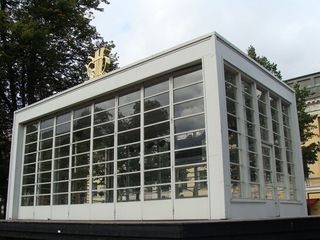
{"x": 236, "y": 190}
{"x": 231, "y": 91}
{"x": 190, "y": 139}
{"x": 46, "y": 133}
{"x": 62, "y": 152}
{"x": 129, "y": 137}
{"x": 131, "y": 165}
{"x": 63, "y": 118}
{"x": 157, "y": 177}
{"x": 103, "y": 156}
{"x": 60, "y": 187}
{"x": 46, "y": 123}
{"x": 105, "y": 116}
{"x": 31, "y": 147}
{"x": 61, "y": 163}
{"x": 157, "y": 192}
{"x": 45, "y": 144}
{"x": 102, "y": 183}
{"x": 103, "y": 142}
{"x": 156, "y": 88}
{"x": 106, "y": 104}
{"x": 79, "y": 185}
{"x": 44, "y": 177}
{"x": 60, "y": 199}
{"x": 191, "y": 189}
{"x": 30, "y": 158}
{"x": 81, "y": 147}
{"x": 129, "y": 151}
{"x": 156, "y": 101}
{"x": 188, "y": 78}
{"x": 80, "y": 172}
{"x": 130, "y": 97}
{"x": 102, "y": 196}
{"x": 126, "y": 195}
{"x": 44, "y": 166}
{"x": 156, "y": 116}
{"x": 45, "y": 155}
{"x": 82, "y": 123}
{"x": 188, "y": 108}
{"x": 128, "y": 123}
{"x": 234, "y": 155}
{"x": 61, "y": 175}
{"x": 158, "y": 130}
{"x": 62, "y": 140}
{"x": 232, "y": 122}
{"x": 44, "y": 188}
{"x": 82, "y": 112}
{"x": 231, "y": 107}
{"x": 156, "y": 146}
{"x": 79, "y": 198}
{"x": 196, "y": 155}
{"x": 29, "y": 179}
{"x": 81, "y": 135}
{"x": 189, "y": 123}
{"x": 31, "y": 168}
{"x": 32, "y": 137}
{"x": 230, "y": 77}
{"x": 157, "y": 161}
{"x": 235, "y": 172}
{"x": 32, "y": 127}
{"x": 43, "y": 200}
{"x": 79, "y": 160}
{"x": 129, "y": 109}
{"x": 28, "y": 190}
{"x": 27, "y": 201}
{"x": 63, "y": 128}
{"x": 129, "y": 180}
{"x": 189, "y": 92}
{"x": 102, "y": 169}
{"x": 191, "y": 173}
{"x": 254, "y": 175}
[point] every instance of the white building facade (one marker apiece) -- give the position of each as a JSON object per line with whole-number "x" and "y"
{"x": 199, "y": 131}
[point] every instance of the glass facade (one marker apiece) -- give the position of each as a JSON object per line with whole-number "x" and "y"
{"x": 260, "y": 146}
{"x": 148, "y": 143}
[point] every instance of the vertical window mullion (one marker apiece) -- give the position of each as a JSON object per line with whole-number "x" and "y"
{"x": 70, "y": 158}
{"x": 91, "y": 154}
{"x": 52, "y": 159}
{"x": 258, "y": 142}
{"x": 37, "y": 168}
{"x": 115, "y": 154}
{"x": 142, "y": 144}
{"x": 244, "y": 165}
{"x": 283, "y": 151}
{"x": 172, "y": 147}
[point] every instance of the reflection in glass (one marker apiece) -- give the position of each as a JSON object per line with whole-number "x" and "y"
{"x": 130, "y": 165}
{"x": 81, "y": 135}
{"x": 129, "y": 97}
{"x": 191, "y": 189}
{"x": 128, "y": 123}
{"x": 102, "y": 169}
{"x": 46, "y": 123}
{"x": 158, "y": 130}
{"x": 84, "y": 111}
{"x": 63, "y": 128}
{"x": 63, "y": 118}
{"x": 79, "y": 198}
{"x": 157, "y": 161}
{"x": 80, "y": 147}
{"x": 157, "y": 192}
{"x": 129, "y": 137}
{"x": 104, "y": 105}
{"x": 190, "y": 156}
{"x": 102, "y": 196}
{"x": 103, "y": 156}
{"x": 80, "y": 172}
{"x": 79, "y": 160}
{"x": 156, "y": 88}
{"x": 126, "y": 195}
{"x": 188, "y": 78}
{"x": 156, "y": 101}
{"x": 156, "y": 146}
{"x": 191, "y": 173}
{"x": 189, "y": 123}
{"x": 60, "y": 199}
{"x": 129, "y": 109}
{"x": 61, "y": 175}
{"x": 158, "y": 115}
{"x": 189, "y": 92}
{"x": 103, "y": 142}
{"x": 82, "y": 123}
{"x": 188, "y": 108}
{"x": 190, "y": 139}
{"x": 105, "y": 116}
{"x": 129, "y": 151}
{"x": 129, "y": 180}
{"x": 157, "y": 177}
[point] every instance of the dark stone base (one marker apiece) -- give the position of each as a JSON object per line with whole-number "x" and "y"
{"x": 285, "y": 228}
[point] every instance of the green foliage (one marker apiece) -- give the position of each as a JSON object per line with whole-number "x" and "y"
{"x": 263, "y": 61}
{"x": 44, "y": 48}
{"x": 306, "y": 128}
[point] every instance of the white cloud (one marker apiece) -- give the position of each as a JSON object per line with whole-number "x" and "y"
{"x": 284, "y": 31}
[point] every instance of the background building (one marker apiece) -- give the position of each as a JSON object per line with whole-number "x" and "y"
{"x": 312, "y": 82}
{"x": 199, "y": 131}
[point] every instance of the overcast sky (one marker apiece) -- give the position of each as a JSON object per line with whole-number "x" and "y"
{"x": 285, "y": 31}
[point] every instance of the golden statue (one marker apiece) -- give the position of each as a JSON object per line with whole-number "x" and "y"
{"x": 97, "y": 66}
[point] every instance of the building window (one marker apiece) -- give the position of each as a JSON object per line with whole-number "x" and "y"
{"x": 138, "y": 145}
{"x": 256, "y": 157}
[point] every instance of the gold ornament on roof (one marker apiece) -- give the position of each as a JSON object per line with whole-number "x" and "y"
{"x": 97, "y": 66}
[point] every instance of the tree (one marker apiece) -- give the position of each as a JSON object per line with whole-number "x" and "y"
{"x": 44, "y": 47}
{"x": 306, "y": 128}
{"x": 309, "y": 150}
{"x": 263, "y": 61}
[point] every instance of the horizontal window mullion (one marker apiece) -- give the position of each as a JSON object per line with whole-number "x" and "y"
{"x": 104, "y": 110}
{"x": 154, "y": 109}
{"x": 127, "y": 130}
{"x": 155, "y": 154}
{"x": 193, "y": 147}
{"x": 191, "y": 115}
{"x": 188, "y": 85}
{"x": 128, "y": 144}
{"x": 157, "y": 169}
{"x": 188, "y": 100}
{"x": 193, "y": 181}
